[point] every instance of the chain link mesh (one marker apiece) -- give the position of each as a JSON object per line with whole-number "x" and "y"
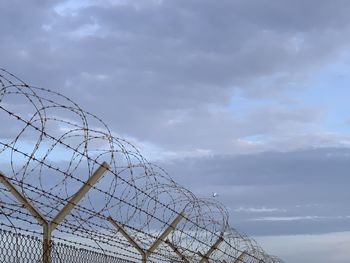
{"x": 22, "y": 248}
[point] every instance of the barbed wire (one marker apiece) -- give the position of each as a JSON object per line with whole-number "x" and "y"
{"x": 51, "y": 147}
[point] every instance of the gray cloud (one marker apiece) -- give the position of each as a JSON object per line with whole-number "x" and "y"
{"x": 310, "y": 248}
{"x": 294, "y": 192}
{"x": 153, "y": 63}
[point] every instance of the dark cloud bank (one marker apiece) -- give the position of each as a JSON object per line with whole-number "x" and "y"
{"x": 157, "y": 68}
{"x": 275, "y": 193}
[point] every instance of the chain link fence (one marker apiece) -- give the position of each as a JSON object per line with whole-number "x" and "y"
{"x": 21, "y": 248}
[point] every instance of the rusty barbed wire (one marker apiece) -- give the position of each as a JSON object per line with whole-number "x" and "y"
{"x": 51, "y": 147}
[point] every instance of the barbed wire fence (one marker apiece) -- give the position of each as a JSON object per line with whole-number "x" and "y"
{"x": 71, "y": 191}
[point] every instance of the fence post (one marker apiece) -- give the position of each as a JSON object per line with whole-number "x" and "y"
{"x": 143, "y": 252}
{"x": 35, "y": 213}
{"x": 205, "y": 258}
{"x": 74, "y": 200}
{"x": 240, "y": 257}
{"x": 166, "y": 232}
{"x": 121, "y": 229}
{"x": 47, "y": 226}
{"x": 46, "y": 243}
{"x": 176, "y": 250}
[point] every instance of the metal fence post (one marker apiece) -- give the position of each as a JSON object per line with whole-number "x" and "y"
{"x": 205, "y": 258}
{"x": 240, "y": 257}
{"x": 46, "y": 243}
{"x": 143, "y": 252}
{"x": 35, "y": 213}
{"x": 121, "y": 229}
{"x": 165, "y": 233}
{"x": 47, "y": 226}
{"x": 74, "y": 200}
{"x": 176, "y": 250}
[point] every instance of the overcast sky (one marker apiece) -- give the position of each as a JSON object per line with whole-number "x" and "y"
{"x": 246, "y": 98}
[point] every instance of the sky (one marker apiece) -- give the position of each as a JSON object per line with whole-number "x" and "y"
{"x": 245, "y": 98}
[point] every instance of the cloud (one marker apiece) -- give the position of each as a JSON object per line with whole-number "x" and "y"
{"x": 286, "y": 188}
{"x": 297, "y": 218}
{"x": 155, "y": 70}
{"x": 258, "y": 209}
{"x": 324, "y": 248}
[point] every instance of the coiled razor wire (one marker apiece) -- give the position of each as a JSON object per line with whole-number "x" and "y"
{"x": 49, "y": 147}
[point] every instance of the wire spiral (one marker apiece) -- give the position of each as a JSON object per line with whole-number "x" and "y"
{"x": 49, "y": 148}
